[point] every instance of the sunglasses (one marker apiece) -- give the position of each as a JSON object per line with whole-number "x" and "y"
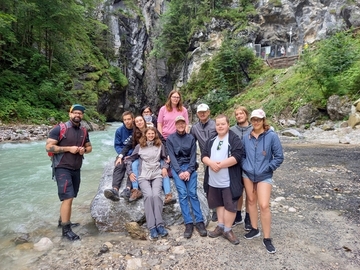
{"x": 219, "y": 145}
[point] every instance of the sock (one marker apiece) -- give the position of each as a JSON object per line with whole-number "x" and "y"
{"x": 221, "y": 225}
{"x": 65, "y": 223}
{"x": 226, "y": 229}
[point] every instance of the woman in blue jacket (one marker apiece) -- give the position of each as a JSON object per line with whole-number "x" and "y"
{"x": 262, "y": 156}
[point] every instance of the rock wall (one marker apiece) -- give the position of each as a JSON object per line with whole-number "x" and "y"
{"x": 150, "y": 79}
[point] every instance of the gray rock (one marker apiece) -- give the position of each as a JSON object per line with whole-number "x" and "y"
{"x": 307, "y": 114}
{"x": 338, "y": 107}
{"x": 113, "y": 216}
{"x": 291, "y": 133}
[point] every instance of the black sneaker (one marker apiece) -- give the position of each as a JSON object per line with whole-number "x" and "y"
{"x": 189, "y": 228}
{"x": 68, "y": 233}
{"x": 247, "y": 226}
{"x": 112, "y": 194}
{"x": 200, "y": 227}
{"x": 238, "y": 219}
{"x": 269, "y": 246}
{"x": 252, "y": 234}
{"x": 214, "y": 216}
{"x": 126, "y": 193}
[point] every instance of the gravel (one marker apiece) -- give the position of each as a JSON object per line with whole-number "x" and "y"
{"x": 315, "y": 207}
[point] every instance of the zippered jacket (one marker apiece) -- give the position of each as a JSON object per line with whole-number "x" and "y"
{"x": 235, "y": 149}
{"x": 203, "y": 132}
{"x": 182, "y": 150}
{"x": 262, "y": 156}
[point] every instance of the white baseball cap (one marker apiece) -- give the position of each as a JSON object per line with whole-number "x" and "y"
{"x": 202, "y": 108}
{"x": 259, "y": 113}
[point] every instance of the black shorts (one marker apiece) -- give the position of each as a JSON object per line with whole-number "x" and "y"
{"x": 68, "y": 182}
{"x": 221, "y": 197}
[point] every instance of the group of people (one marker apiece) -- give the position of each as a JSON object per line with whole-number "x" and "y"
{"x": 149, "y": 149}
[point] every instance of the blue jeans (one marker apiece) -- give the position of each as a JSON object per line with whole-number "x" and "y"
{"x": 135, "y": 184}
{"x": 187, "y": 190}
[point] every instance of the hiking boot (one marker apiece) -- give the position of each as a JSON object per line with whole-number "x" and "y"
{"x": 214, "y": 216}
{"x": 189, "y": 228}
{"x": 238, "y": 219}
{"x": 112, "y": 194}
{"x": 252, "y": 234}
{"x": 269, "y": 246}
{"x": 125, "y": 193}
{"x": 153, "y": 234}
{"x": 135, "y": 195}
{"x": 72, "y": 225}
{"x": 200, "y": 227}
{"x": 247, "y": 226}
{"x": 169, "y": 199}
{"x": 68, "y": 233}
{"x": 162, "y": 231}
{"x": 231, "y": 237}
{"x": 215, "y": 233}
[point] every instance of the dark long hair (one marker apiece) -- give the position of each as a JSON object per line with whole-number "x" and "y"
{"x": 144, "y": 108}
{"x": 137, "y": 133}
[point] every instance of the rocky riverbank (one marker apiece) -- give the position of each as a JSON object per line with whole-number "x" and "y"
{"x": 26, "y": 133}
{"x": 315, "y": 207}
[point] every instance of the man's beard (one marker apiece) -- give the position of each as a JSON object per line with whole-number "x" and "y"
{"x": 76, "y": 120}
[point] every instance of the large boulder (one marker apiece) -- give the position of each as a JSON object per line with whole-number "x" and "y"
{"x": 307, "y": 114}
{"x": 113, "y": 216}
{"x": 338, "y": 107}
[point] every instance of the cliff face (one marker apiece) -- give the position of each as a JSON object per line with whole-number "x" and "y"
{"x": 148, "y": 77}
{"x": 295, "y": 21}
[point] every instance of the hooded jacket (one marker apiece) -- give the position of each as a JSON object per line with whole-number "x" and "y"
{"x": 235, "y": 149}
{"x": 241, "y": 131}
{"x": 262, "y": 156}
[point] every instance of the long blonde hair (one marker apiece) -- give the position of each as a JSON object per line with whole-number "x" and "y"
{"x": 179, "y": 106}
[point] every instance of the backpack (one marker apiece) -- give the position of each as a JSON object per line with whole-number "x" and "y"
{"x": 63, "y": 129}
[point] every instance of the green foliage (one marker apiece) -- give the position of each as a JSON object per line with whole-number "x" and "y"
{"x": 275, "y": 3}
{"x": 43, "y": 46}
{"x": 183, "y": 18}
{"x": 117, "y": 75}
{"x": 225, "y": 75}
{"x": 333, "y": 58}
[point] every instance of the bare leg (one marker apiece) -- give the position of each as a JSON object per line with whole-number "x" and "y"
{"x": 65, "y": 210}
{"x": 264, "y": 191}
{"x": 251, "y": 197}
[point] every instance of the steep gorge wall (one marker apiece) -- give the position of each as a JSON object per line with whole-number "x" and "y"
{"x": 150, "y": 79}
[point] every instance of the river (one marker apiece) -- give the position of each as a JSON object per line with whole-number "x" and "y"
{"x": 29, "y": 202}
